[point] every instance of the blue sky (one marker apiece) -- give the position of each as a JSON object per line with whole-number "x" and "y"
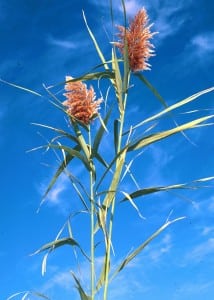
{"x": 42, "y": 41}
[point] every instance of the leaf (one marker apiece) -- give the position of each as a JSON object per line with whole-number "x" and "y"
{"x": 145, "y": 141}
{"x": 173, "y": 107}
{"x": 116, "y": 133}
{"x": 90, "y": 76}
{"x": 21, "y": 88}
{"x": 152, "y": 89}
{"x": 81, "y": 140}
{"x": 60, "y": 131}
{"x": 27, "y": 293}
{"x": 59, "y": 243}
{"x": 117, "y": 83}
{"x": 151, "y": 190}
{"x": 100, "y": 132}
{"x": 81, "y": 291}
{"x": 75, "y": 153}
{"x": 137, "y": 251}
{"x": 103, "y": 274}
{"x": 95, "y": 43}
{"x": 129, "y": 197}
{"x": 68, "y": 158}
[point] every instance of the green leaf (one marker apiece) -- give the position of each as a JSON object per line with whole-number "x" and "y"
{"x": 59, "y": 243}
{"x": 56, "y": 244}
{"x": 95, "y": 44}
{"x": 100, "y": 132}
{"x": 138, "y": 250}
{"x": 27, "y": 293}
{"x": 151, "y": 88}
{"x": 173, "y": 107}
{"x": 60, "y": 131}
{"x": 145, "y": 141}
{"x": 81, "y": 140}
{"x": 90, "y": 76}
{"x": 21, "y": 88}
{"x": 146, "y": 191}
{"x": 117, "y": 83}
{"x": 116, "y": 135}
{"x": 82, "y": 293}
{"x": 75, "y": 153}
{"x": 103, "y": 274}
{"x": 68, "y": 158}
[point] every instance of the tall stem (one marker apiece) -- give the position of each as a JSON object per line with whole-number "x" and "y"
{"x": 108, "y": 250}
{"x": 92, "y": 212}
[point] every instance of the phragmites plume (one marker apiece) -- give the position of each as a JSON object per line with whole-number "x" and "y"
{"x": 80, "y": 103}
{"x": 137, "y": 38}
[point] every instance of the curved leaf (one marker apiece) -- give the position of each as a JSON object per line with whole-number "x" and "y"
{"x": 172, "y": 107}
{"x": 137, "y": 251}
{"x": 145, "y": 141}
{"x": 58, "y": 243}
{"x": 83, "y": 295}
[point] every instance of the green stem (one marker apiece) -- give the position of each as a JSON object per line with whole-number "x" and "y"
{"x": 92, "y": 226}
{"x": 108, "y": 250}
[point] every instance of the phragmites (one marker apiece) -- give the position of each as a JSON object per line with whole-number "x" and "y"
{"x": 137, "y": 38}
{"x": 80, "y": 102}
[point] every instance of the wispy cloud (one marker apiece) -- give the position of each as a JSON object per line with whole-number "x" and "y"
{"x": 157, "y": 251}
{"x": 63, "y": 43}
{"x": 190, "y": 290}
{"x": 200, "y": 251}
{"x": 203, "y": 44}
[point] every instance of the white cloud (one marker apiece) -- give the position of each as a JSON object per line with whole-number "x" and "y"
{"x": 159, "y": 249}
{"x": 192, "y": 289}
{"x": 60, "y": 279}
{"x": 200, "y": 251}
{"x": 207, "y": 230}
{"x": 169, "y": 16}
{"x": 203, "y": 43}
{"x": 53, "y": 196}
{"x": 66, "y": 43}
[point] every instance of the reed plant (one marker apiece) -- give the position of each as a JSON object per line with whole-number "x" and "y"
{"x": 84, "y": 141}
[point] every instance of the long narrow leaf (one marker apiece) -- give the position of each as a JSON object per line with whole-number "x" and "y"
{"x": 134, "y": 253}
{"x": 68, "y": 158}
{"x": 90, "y": 76}
{"x": 146, "y": 191}
{"x": 173, "y": 107}
{"x": 100, "y": 132}
{"x": 145, "y": 141}
{"x": 60, "y": 131}
{"x": 82, "y": 293}
{"x": 21, "y": 87}
{"x": 59, "y": 243}
{"x": 95, "y": 43}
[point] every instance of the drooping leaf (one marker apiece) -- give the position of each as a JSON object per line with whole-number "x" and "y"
{"x": 68, "y": 158}
{"x": 59, "y": 243}
{"x": 146, "y": 191}
{"x": 90, "y": 76}
{"x": 75, "y": 153}
{"x": 60, "y": 131}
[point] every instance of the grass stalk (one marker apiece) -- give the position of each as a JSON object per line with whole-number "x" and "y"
{"x": 111, "y": 221}
{"x": 92, "y": 212}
